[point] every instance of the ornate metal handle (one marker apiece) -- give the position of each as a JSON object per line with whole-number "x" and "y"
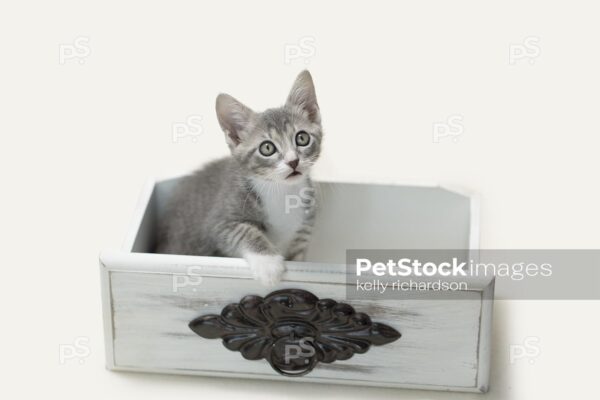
{"x": 293, "y": 330}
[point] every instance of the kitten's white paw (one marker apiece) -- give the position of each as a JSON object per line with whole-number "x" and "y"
{"x": 266, "y": 269}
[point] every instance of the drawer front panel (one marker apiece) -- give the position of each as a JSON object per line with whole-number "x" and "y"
{"x": 150, "y": 313}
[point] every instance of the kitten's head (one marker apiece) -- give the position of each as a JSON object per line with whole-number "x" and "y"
{"x": 279, "y": 144}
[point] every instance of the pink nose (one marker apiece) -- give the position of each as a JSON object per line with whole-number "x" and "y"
{"x": 293, "y": 163}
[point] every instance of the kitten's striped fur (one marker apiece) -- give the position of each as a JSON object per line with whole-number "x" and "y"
{"x": 249, "y": 205}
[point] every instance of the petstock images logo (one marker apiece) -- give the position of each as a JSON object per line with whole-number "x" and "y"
{"x": 456, "y": 274}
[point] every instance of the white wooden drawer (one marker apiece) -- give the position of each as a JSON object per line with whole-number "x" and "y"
{"x": 150, "y": 299}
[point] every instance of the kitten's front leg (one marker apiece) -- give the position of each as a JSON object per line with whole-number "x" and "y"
{"x": 248, "y": 240}
{"x": 299, "y": 245}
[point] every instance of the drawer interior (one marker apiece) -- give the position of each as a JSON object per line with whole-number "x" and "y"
{"x": 358, "y": 216}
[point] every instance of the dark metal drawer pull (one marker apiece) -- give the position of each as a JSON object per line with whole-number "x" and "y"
{"x": 293, "y": 330}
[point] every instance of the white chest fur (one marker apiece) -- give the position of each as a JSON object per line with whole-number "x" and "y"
{"x": 283, "y": 210}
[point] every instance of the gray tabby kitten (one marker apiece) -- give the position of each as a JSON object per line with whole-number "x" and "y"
{"x": 259, "y": 202}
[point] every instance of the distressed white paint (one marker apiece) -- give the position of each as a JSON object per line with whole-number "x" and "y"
{"x": 444, "y": 344}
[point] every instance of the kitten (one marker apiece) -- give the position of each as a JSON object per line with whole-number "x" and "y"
{"x": 259, "y": 202}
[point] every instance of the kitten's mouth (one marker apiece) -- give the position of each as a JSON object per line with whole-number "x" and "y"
{"x": 295, "y": 173}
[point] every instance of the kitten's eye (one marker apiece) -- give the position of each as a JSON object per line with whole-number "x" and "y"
{"x": 302, "y": 138}
{"x": 267, "y": 148}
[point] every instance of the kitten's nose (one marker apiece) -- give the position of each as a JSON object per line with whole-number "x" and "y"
{"x": 293, "y": 163}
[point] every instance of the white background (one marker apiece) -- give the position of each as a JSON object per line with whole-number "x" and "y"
{"x": 78, "y": 139}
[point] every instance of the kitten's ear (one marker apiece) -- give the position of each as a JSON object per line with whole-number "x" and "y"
{"x": 303, "y": 97}
{"x": 234, "y": 118}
